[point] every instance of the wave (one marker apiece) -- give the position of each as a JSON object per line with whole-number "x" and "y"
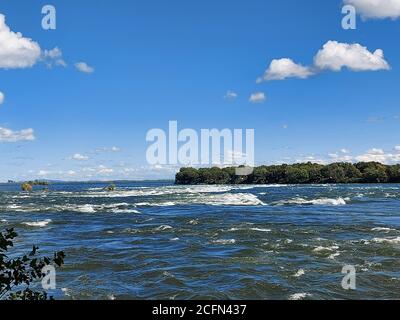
{"x": 299, "y": 296}
{"x": 163, "y": 228}
{"x": 260, "y": 229}
{"x": 323, "y": 201}
{"x": 233, "y": 199}
{"x": 334, "y": 255}
{"x": 87, "y": 208}
{"x": 387, "y": 240}
{"x": 125, "y": 211}
{"x": 321, "y": 249}
{"x": 382, "y": 229}
{"x": 39, "y": 224}
{"x": 84, "y": 208}
{"x": 299, "y": 273}
{"x": 224, "y": 241}
{"x": 161, "y": 191}
{"x": 224, "y": 199}
{"x": 155, "y": 204}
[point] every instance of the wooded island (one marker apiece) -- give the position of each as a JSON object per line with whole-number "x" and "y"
{"x": 301, "y": 173}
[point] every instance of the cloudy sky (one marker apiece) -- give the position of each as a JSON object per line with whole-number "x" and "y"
{"x": 76, "y": 102}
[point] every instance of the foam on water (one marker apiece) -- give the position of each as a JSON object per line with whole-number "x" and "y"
{"x": 39, "y": 224}
{"x": 299, "y": 296}
{"x": 260, "y": 229}
{"x": 299, "y": 273}
{"x": 222, "y": 199}
{"x": 163, "y": 228}
{"x": 323, "y": 201}
{"x": 161, "y": 191}
{"x": 387, "y": 240}
{"x": 321, "y": 248}
{"x": 382, "y": 229}
{"x": 231, "y": 199}
{"x": 224, "y": 241}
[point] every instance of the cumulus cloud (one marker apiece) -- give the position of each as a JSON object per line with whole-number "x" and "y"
{"x": 379, "y": 155}
{"x": 258, "y": 97}
{"x": 84, "y": 67}
{"x": 53, "y": 57}
{"x": 230, "y": 95}
{"x": 281, "y": 69}
{"x": 343, "y": 155}
{"x": 335, "y": 56}
{"x": 372, "y": 155}
{"x": 79, "y": 157}
{"x": 16, "y": 51}
{"x": 376, "y": 9}
{"x": 8, "y": 135}
{"x": 2, "y": 97}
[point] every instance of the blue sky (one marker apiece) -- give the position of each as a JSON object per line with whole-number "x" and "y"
{"x": 156, "y": 61}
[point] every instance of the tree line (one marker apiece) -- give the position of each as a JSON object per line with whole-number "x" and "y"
{"x": 301, "y": 173}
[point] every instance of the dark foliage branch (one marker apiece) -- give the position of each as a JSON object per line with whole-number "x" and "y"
{"x": 16, "y": 275}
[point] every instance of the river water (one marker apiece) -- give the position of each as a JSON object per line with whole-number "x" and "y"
{"x": 154, "y": 240}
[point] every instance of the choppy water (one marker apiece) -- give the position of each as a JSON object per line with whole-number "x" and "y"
{"x": 156, "y": 240}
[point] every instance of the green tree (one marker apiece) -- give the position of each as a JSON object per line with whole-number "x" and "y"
{"x": 373, "y": 172}
{"x": 393, "y": 173}
{"x": 296, "y": 175}
{"x": 187, "y": 176}
{"x": 300, "y": 173}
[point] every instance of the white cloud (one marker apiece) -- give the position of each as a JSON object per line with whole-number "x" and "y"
{"x": 8, "y": 135}
{"x": 103, "y": 170}
{"x": 53, "y": 57}
{"x": 105, "y": 149}
{"x": 15, "y": 50}
{"x": 258, "y": 97}
{"x": 2, "y": 97}
{"x": 335, "y": 56}
{"x": 379, "y": 9}
{"x": 79, "y": 157}
{"x": 234, "y": 157}
{"x": 84, "y": 67}
{"x": 281, "y": 69}
{"x": 372, "y": 155}
{"x": 230, "y": 95}
{"x": 312, "y": 159}
{"x": 43, "y": 173}
{"x": 379, "y": 155}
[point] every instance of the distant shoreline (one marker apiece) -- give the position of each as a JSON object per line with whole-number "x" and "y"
{"x": 295, "y": 174}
